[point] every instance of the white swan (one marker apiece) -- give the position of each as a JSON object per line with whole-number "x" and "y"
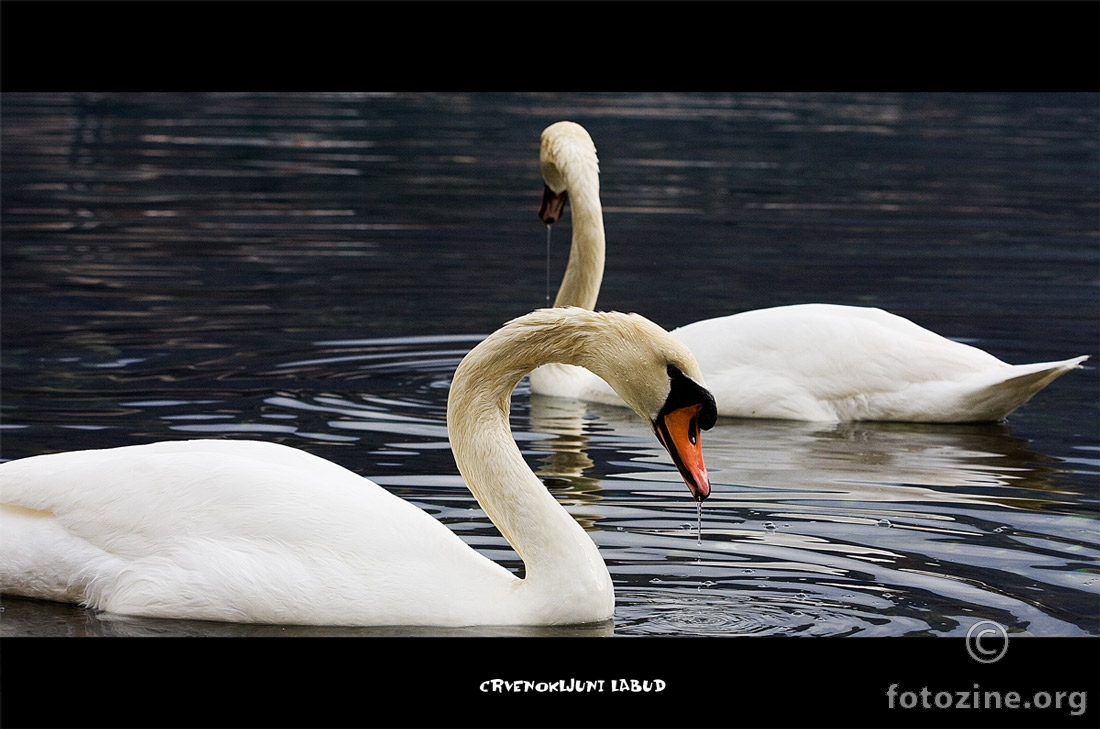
{"x": 245, "y": 531}
{"x": 813, "y": 362}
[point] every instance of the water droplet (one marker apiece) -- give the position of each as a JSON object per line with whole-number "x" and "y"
{"x": 699, "y": 520}
{"x": 769, "y": 525}
{"x": 1002, "y": 529}
{"x": 748, "y": 571}
{"x": 884, "y": 523}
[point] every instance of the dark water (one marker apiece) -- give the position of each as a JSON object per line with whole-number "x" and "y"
{"x": 310, "y": 269}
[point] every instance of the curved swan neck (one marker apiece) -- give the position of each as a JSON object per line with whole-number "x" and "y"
{"x": 578, "y": 168}
{"x": 552, "y": 545}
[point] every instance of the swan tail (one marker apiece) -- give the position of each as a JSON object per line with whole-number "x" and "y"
{"x": 999, "y": 399}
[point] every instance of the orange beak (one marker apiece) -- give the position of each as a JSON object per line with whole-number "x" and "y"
{"x": 678, "y": 431}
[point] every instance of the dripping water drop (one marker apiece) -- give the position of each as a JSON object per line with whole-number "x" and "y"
{"x": 548, "y": 229}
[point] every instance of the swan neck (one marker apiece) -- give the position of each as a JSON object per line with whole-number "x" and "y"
{"x": 554, "y": 548}
{"x": 580, "y": 285}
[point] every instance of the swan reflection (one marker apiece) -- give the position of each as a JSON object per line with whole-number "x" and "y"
{"x": 866, "y": 460}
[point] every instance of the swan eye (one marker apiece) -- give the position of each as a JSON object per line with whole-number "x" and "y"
{"x": 684, "y": 392}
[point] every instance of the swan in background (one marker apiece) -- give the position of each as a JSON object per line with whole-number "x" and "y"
{"x": 811, "y": 362}
{"x": 246, "y": 531}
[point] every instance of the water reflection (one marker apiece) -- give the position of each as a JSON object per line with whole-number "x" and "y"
{"x": 895, "y": 461}
{"x": 56, "y": 620}
{"x": 567, "y": 463}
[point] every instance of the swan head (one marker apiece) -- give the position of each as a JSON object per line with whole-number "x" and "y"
{"x": 565, "y": 153}
{"x": 652, "y": 371}
{"x": 688, "y": 409}
{"x": 658, "y": 377}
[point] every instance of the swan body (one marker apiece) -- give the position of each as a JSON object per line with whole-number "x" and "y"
{"x": 246, "y": 531}
{"x": 811, "y": 362}
{"x": 855, "y": 363}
